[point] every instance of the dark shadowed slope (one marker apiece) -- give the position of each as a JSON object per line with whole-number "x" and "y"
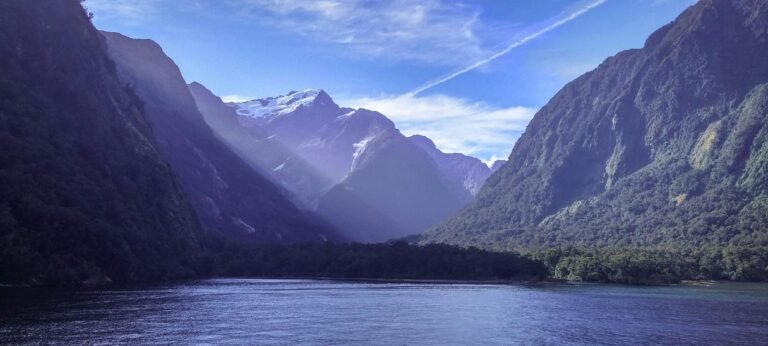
{"x": 83, "y": 192}
{"x": 667, "y": 144}
{"x": 230, "y": 197}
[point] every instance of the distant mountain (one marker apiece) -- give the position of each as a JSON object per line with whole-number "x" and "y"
{"x": 394, "y": 190}
{"x": 311, "y": 125}
{"x": 303, "y": 183}
{"x": 661, "y": 146}
{"x": 468, "y": 172}
{"x": 229, "y": 196}
{"x": 366, "y": 177}
{"x": 85, "y": 196}
{"x": 496, "y": 165}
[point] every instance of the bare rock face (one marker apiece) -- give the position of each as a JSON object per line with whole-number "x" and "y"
{"x": 659, "y": 145}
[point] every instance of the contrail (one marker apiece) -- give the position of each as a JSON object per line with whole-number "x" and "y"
{"x": 519, "y": 43}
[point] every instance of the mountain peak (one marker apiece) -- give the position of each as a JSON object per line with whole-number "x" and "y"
{"x": 284, "y": 104}
{"x": 424, "y": 142}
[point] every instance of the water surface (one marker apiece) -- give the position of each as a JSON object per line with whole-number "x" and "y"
{"x": 252, "y": 311}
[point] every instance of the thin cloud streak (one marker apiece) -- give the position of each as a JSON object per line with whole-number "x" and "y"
{"x": 514, "y": 45}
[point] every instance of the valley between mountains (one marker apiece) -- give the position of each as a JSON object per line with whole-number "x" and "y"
{"x": 651, "y": 168}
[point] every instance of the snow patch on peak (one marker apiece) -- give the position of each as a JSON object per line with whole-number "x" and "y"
{"x": 274, "y": 106}
{"x": 347, "y": 114}
{"x": 360, "y": 148}
{"x": 281, "y": 166}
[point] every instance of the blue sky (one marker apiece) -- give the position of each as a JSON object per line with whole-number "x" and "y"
{"x": 373, "y": 53}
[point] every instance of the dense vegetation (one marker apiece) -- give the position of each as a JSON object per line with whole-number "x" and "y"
{"x": 83, "y": 193}
{"x": 655, "y": 266}
{"x": 397, "y": 260}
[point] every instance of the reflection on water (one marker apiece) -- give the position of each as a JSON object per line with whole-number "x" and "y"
{"x": 237, "y": 311}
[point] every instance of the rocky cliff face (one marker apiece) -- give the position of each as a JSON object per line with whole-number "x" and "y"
{"x": 659, "y": 145}
{"x": 229, "y": 196}
{"x": 85, "y": 196}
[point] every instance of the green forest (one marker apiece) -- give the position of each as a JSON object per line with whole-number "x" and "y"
{"x": 654, "y": 266}
{"x": 397, "y": 260}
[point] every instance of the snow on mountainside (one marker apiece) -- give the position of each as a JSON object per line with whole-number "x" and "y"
{"x": 372, "y": 169}
{"x": 274, "y": 106}
{"x": 345, "y": 126}
{"x": 262, "y": 152}
{"x": 315, "y": 128}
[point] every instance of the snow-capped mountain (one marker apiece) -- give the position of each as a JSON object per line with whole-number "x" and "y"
{"x": 275, "y": 106}
{"x": 301, "y": 181}
{"x": 315, "y": 128}
{"x": 379, "y": 184}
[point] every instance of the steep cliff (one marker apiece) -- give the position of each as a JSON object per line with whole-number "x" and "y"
{"x": 84, "y": 194}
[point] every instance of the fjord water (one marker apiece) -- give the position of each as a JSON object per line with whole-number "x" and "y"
{"x": 248, "y": 311}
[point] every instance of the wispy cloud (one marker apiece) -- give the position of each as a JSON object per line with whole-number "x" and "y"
{"x": 433, "y": 31}
{"x": 556, "y": 24}
{"x": 454, "y": 124}
{"x": 459, "y": 125}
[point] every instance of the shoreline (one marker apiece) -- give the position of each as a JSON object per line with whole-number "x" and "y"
{"x": 511, "y": 282}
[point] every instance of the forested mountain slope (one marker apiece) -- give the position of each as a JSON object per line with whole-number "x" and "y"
{"x": 661, "y": 146}
{"x": 84, "y": 194}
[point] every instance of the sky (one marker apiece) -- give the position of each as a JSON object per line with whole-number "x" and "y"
{"x": 468, "y": 74}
